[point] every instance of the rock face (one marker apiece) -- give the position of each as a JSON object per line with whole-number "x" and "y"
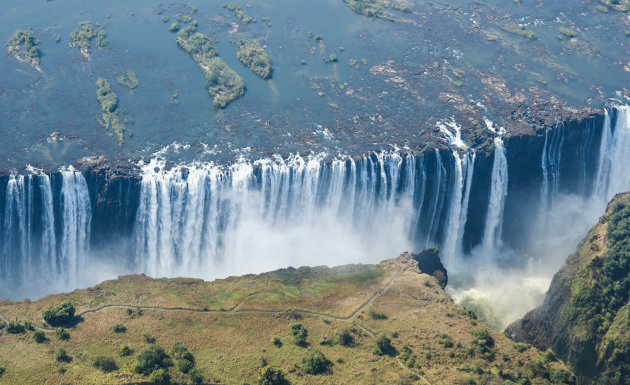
{"x": 585, "y": 315}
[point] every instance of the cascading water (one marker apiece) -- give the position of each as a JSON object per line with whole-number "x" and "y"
{"x": 612, "y": 172}
{"x": 492, "y": 238}
{"x": 209, "y": 221}
{"x": 38, "y": 246}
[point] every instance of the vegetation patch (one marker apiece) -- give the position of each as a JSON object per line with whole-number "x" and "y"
{"x": 250, "y": 53}
{"x": 239, "y": 13}
{"x": 105, "y": 364}
{"x": 62, "y": 314}
{"x": 84, "y": 34}
{"x": 109, "y": 108}
{"x": 520, "y": 30}
{"x": 23, "y": 46}
{"x": 315, "y": 362}
{"x": 568, "y": 32}
{"x": 223, "y": 84}
{"x": 129, "y": 81}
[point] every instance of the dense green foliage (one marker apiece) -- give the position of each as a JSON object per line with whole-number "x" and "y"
{"x": 160, "y": 377}
{"x": 223, "y": 84}
{"x": 23, "y": 46}
{"x": 151, "y": 359}
{"x": 185, "y": 361}
{"x": 15, "y": 327}
{"x": 125, "y": 351}
{"x": 119, "y": 328}
{"x": 39, "y": 336}
{"x": 106, "y": 97}
{"x": 83, "y": 35}
{"x": 271, "y": 376}
{"x": 383, "y": 346}
{"x": 130, "y": 81}
{"x": 62, "y": 334}
{"x": 315, "y": 362}
{"x": 60, "y": 315}
{"x": 239, "y": 13}
{"x": 196, "y": 377}
{"x": 298, "y": 333}
{"x": 250, "y": 53}
{"x": 105, "y": 364}
{"x": 344, "y": 338}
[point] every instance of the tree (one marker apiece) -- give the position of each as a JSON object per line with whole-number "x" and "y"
{"x": 384, "y": 347}
{"x": 315, "y": 362}
{"x": 60, "y": 315}
{"x": 271, "y": 376}
{"x": 196, "y": 377}
{"x": 105, "y": 364}
{"x": 39, "y": 336}
{"x": 299, "y": 333}
{"x": 62, "y": 334}
{"x": 160, "y": 377}
{"x": 151, "y": 359}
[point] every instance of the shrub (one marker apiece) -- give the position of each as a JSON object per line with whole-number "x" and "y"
{"x": 60, "y": 315}
{"x": 179, "y": 350}
{"x": 160, "y": 377}
{"x": 151, "y": 359}
{"x": 344, "y": 338}
{"x": 15, "y": 327}
{"x": 384, "y": 346}
{"x": 62, "y": 334}
{"x": 299, "y": 333}
{"x": 2, "y": 325}
{"x": 315, "y": 362}
{"x": 39, "y": 336}
{"x": 2, "y": 370}
{"x": 549, "y": 356}
{"x": 28, "y": 325}
{"x": 271, "y": 376}
{"x": 125, "y": 351}
{"x": 185, "y": 365}
{"x": 276, "y": 342}
{"x": 105, "y": 364}
{"x": 483, "y": 338}
{"x": 148, "y": 339}
{"x": 62, "y": 356}
{"x": 119, "y": 328}
{"x": 196, "y": 377}
{"x": 377, "y": 316}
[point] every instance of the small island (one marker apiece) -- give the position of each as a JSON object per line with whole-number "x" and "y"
{"x": 239, "y": 13}
{"x": 109, "y": 104}
{"x": 23, "y": 46}
{"x": 223, "y": 84}
{"x": 250, "y": 53}
{"x": 84, "y": 34}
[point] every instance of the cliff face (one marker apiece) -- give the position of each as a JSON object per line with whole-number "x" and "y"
{"x": 585, "y": 315}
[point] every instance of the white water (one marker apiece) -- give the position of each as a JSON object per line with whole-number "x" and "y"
{"x": 208, "y": 221}
{"x": 492, "y": 238}
{"x": 35, "y": 253}
{"x": 613, "y": 175}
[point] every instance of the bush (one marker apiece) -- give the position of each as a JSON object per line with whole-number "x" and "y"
{"x": 185, "y": 365}
{"x": 299, "y": 334}
{"x": 271, "y": 376}
{"x": 276, "y": 342}
{"x": 196, "y": 377}
{"x": 344, "y": 338}
{"x": 315, "y": 362}
{"x": 105, "y": 364}
{"x": 62, "y": 356}
{"x": 39, "y": 336}
{"x": 160, "y": 377}
{"x": 2, "y": 370}
{"x": 15, "y": 327}
{"x": 120, "y": 328}
{"x": 384, "y": 347}
{"x": 151, "y": 359}
{"x": 377, "y": 316}
{"x": 148, "y": 339}
{"x": 60, "y": 315}
{"x": 62, "y": 334}
{"x": 125, "y": 351}
{"x": 549, "y": 356}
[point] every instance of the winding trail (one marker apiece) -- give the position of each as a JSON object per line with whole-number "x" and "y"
{"x": 235, "y": 310}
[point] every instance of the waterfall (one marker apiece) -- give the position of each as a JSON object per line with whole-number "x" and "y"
{"x": 204, "y": 220}
{"x": 458, "y": 212}
{"x": 612, "y": 171}
{"x": 498, "y": 192}
{"x": 76, "y": 217}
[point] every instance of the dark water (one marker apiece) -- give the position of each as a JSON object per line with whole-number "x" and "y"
{"x": 358, "y": 111}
